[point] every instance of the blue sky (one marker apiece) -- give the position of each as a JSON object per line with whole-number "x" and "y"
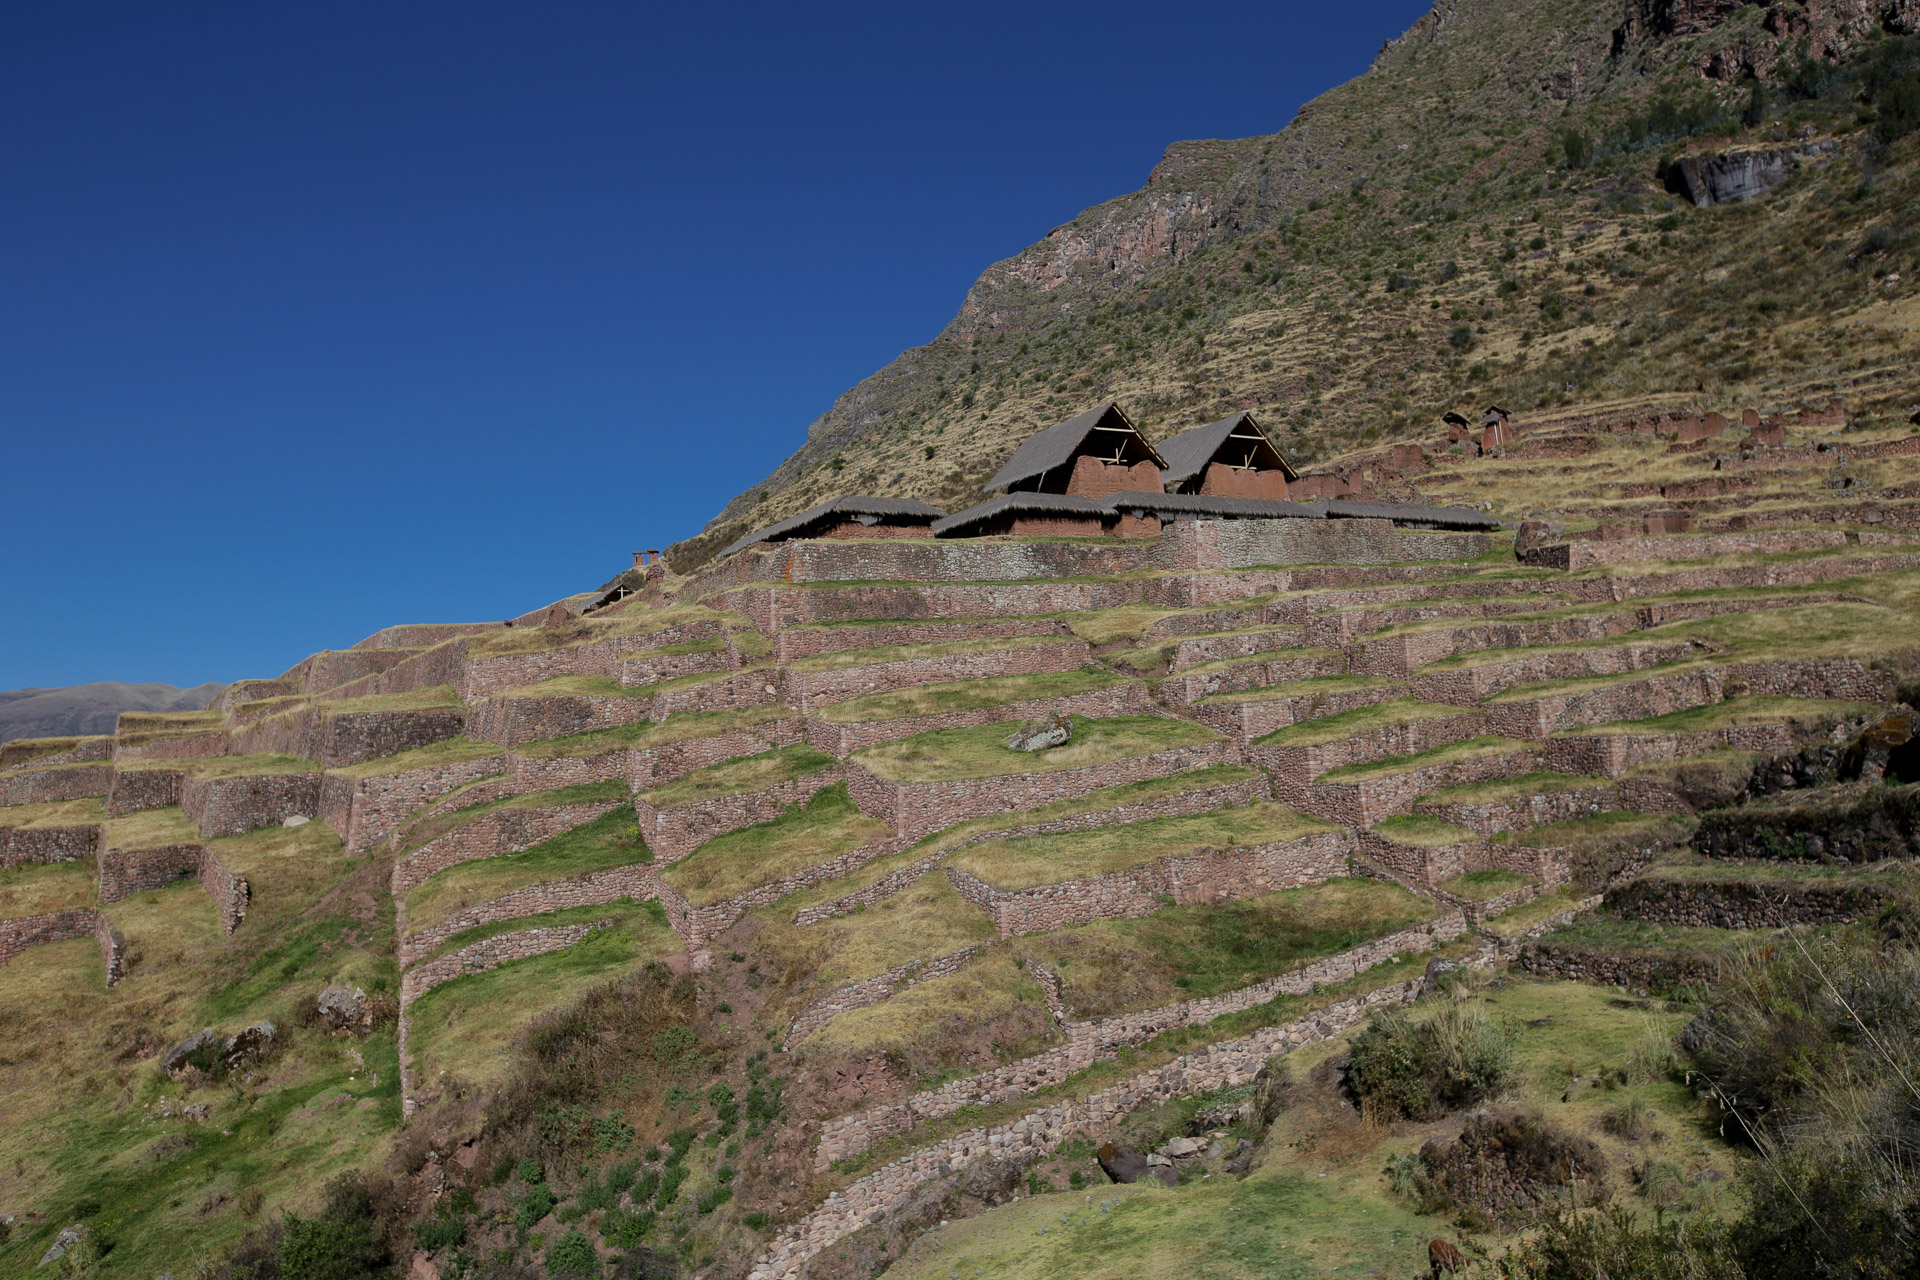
{"x": 315, "y": 319}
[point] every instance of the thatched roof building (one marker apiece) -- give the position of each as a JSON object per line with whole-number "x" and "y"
{"x": 854, "y": 516}
{"x": 1090, "y": 455}
{"x": 1231, "y": 458}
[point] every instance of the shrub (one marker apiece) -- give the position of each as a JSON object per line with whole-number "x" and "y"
{"x": 626, "y": 1230}
{"x": 339, "y": 1243}
{"x": 440, "y": 1232}
{"x": 536, "y": 1204}
{"x": 530, "y": 1170}
{"x": 1461, "y": 338}
{"x": 572, "y": 1255}
{"x": 1612, "y": 1243}
{"x": 1421, "y": 1070}
{"x": 1577, "y": 148}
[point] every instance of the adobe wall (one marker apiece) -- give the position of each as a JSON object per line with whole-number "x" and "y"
{"x": 1195, "y": 650}
{"x": 592, "y": 890}
{"x": 1612, "y": 754}
{"x": 235, "y": 806}
{"x": 133, "y": 790}
{"x": 492, "y": 834}
{"x": 50, "y": 751}
{"x": 1223, "y": 481}
{"x": 230, "y": 893}
{"x": 1245, "y": 721}
{"x": 773, "y": 608}
{"x": 509, "y": 722}
{"x": 648, "y": 767}
{"x": 25, "y": 932}
{"x": 945, "y": 560}
{"x": 59, "y": 782}
{"x": 792, "y": 645}
{"x": 1294, "y": 768}
{"x": 362, "y": 811}
{"x": 1467, "y": 687}
{"x": 809, "y": 690}
{"x": 1230, "y": 795}
{"x": 491, "y": 953}
{"x": 174, "y": 746}
{"x": 1187, "y": 689}
{"x": 696, "y": 925}
{"x": 674, "y": 833}
{"x": 1747, "y": 904}
{"x": 1128, "y": 699}
{"x": 22, "y": 845}
{"x": 125, "y": 872}
{"x": 882, "y": 986}
{"x": 1016, "y": 525}
{"x": 1092, "y": 478}
{"x": 919, "y": 809}
{"x": 1697, "y": 546}
{"x": 1205, "y": 876}
{"x": 1370, "y": 800}
{"x": 754, "y": 688}
{"x": 1243, "y": 544}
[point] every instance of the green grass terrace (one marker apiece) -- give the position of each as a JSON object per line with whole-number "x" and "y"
{"x": 749, "y": 773}
{"x": 826, "y": 827}
{"x": 1048, "y": 859}
{"x": 955, "y": 755}
{"x": 967, "y": 695}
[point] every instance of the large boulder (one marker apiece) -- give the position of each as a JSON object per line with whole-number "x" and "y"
{"x": 197, "y": 1052}
{"x": 1123, "y": 1165}
{"x": 342, "y": 1009}
{"x": 1038, "y": 735}
{"x": 249, "y": 1044}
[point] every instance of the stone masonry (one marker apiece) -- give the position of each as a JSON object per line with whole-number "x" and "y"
{"x": 497, "y": 832}
{"x": 1128, "y": 698}
{"x": 594, "y": 889}
{"x": 675, "y": 832}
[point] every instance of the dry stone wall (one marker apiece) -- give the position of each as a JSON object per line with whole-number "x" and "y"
{"x": 509, "y": 722}
{"x": 1294, "y": 768}
{"x": 1188, "y": 688}
{"x": 230, "y": 893}
{"x": 1468, "y": 686}
{"x": 235, "y": 806}
{"x": 795, "y": 643}
{"x": 1748, "y": 904}
{"x": 362, "y": 811}
{"x": 1633, "y": 970}
{"x": 25, "y": 932}
{"x": 1612, "y": 754}
{"x": 492, "y": 834}
{"x": 858, "y": 995}
{"x": 1128, "y": 699}
{"x": 1696, "y": 546}
{"x": 1255, "y": 718}
{"x": 959, "y": 560}
{"x": 58, "y": 782}
{"x": 809, "y": 690}
{"x": 757, "y": 687}
{"x": 22, "y": 845}
{"x": 1243, "y": 544}
{"x": 1365, "y": 801}
{"x": 133, "y": 790}
{"x": 697, "y": 925}
{"x": 337, "y": 739}
{"x": 775, "y": 608}
{"x": 1196, "y": 650}
{"x": 125, "y": 872}
{"x": 675, "y": 832}
{"x": 1423, "y": 866}
{"x": 592, "y": 890}
{"x": 175, "y": 746}
{"x": 491, "y": 953}
{"x": 649, "y": 767}
{"x": 50, "y": 751}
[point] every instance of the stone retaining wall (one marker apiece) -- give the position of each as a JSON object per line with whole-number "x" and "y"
{"x": 1491, "y": 818}
{"x": 230, "y": 893}
{"x": 492, "y": 834}
{"x": 921, "y": 808}
{"x": 22, "y": 845}
{"x": 1128, "y": 699}
{"x": 775, "y": 608}
{"x": 511, "y": 721}
{"x": 1196, "y": 650}
{"x": 1190, "y": 687}
{"x": 1203, "y": 876}
{"x": 1465, "y": 688}
{"x": 1369, "y": 800}
{"x": 25, "y": 932}
{"x": 649, "y": 767}
{"x": 1697, "y": 546}
{"x": 362, "y": 811}
{"x": 809, "y": 690}
{"x": 113, "y": 950}
{"x": 175, "y": 746}
{"x": 883, "y": 986}
{"x": 50, "y": 751}
{"x": 235, "y": 806}
{"x": 652, "y": 668}
{"x": 133, "y": 790}
{"x": 332, "y": 668}
{"x": 1747, "y": 904}
{"x": 957, "y": 560}
{"x": 125, "y": 872}
{"x": 491, "y": 953}
{"x": 1635, "y": 971}
{"x": 1243, "y": 544}
{"x": 1295, "y": 768}
{"x": 753, "y": 688}
{"x": 1612, "y": 754}
{"x": 1536, "y": 718}
{"x": 793, "y": 644}
{"x": 594, "y": 889}
{"x": 1245, "y": 721}
{"x": 315, "y": 732}
{"x": 1857, "y": 823}
{"x": 60, "y": 782}
{"x": 528, "y": 774}
{"x": 1423, "y": 865}
{"x": 674, "y": 833}
{"x": 1333, "y": 630}
{"x": 697, "y": 925}
{"x": 1197, "y": 624}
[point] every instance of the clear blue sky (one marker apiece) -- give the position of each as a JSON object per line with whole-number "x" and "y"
{"x": 319, "y": 318}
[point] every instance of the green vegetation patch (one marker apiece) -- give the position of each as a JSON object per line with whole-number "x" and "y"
{"x": 967, "y": 695}
{"x": 1315, "y": 733}
{"x": 953, "y": 755}
{"x": 611, "y": 840}
{"x": 1482, "y": 886}
{"x": 937, "y": 1025}
{"x": 57, "y": 813}
{"x": 37, "y": 887}
{"x": 1584, "y": 684}
{"x": 1499, "y": 790}
{"x": 151, "y": 828}
{"x": 1602, "y": 931}
{"x": 748, "y": 773}
{"x": 616, "y": 913}
{"x": 576, "y": 687}
{"x": 924, "y": 920}
{"x": 581, "y": 793}
{"x": 1049, "y": 859}
{"x": 1421, "y": 831}
{"x": 826, "y": 827}
{"x": 1480, "y": 748}
{"x": 1305, "y": 688}
{"x": 843, "y": 659}
{"x": 1116, "y": 966}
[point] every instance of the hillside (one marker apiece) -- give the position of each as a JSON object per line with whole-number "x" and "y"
{"x": 1520, "y": 863}
{"x": 90, "y": 708}
{"x": 1415, "y": 241}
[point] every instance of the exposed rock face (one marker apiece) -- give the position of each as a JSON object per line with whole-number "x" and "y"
{"x": 249, "y": 1044}
{"x": 342, "y": 1009}
{"x": 1038, "y": 735}
{"x": 1822, "y": 28}
{"x": 1740, "y": 175}
{"x": 196, "y": 1052}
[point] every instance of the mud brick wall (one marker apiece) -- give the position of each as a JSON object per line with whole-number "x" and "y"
{"x": 230, "y": 893}
{"x": 1422, "y": 865}
{"x": 1612, "y": 754}
{"x": 1243, "y": 544}
{"x": 1466, "y": 687}
{"x": 1245, "y": 721}
{"x": 1207, "y": 875}
{"x": 125, "y": 872}
{"x": 1365, "y": 802}
{"x": 234, "y": 806}
{"x": 133, "y": 790}
{"x": 59, "y": 782}
{"x": 1195, "y": 650}
{"x": 792, "y": 645}
{"x": 695, "y": 925}
{"x": 1634, "y": 971}
{"x": 1635, "y": 700}
{"x": 646, "y": 669}
{"x": 1294, "y": 768}
{"x": 648, "y": 767}
{"x": 1229, "y": 795}
{"x": 50, "y": 751}
{"x": 1129, "y": 699}
{"x": 22, "y": 845}
{"x": 944, "y": 560}
{"x": 808, "y": 690}
{"x": 1189, "y": 688}
{"x": 491, "y": 953}
{"x": 362, "y": 811}
{"x": 1695, "y": 546}
{"x": 492, "y": 834}
{"x": 509, "y": 722}
{"x": 1757, "y": 904}
{"x": 883, "y": 986}
{"x": 595, "y": 889}
{"x": 24, "y": 932}
{"x": 674, "y": 833}
{"x": 919, "y": 809}
{"x": 774, "y": 608}
{"x": 753, "y": 688}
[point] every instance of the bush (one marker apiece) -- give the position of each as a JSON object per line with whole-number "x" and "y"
{"x": 1461, "y": 338}
{"x": 339, "y": 1243}
{"x": 1611, "y": 1243}
{"x": 1421, "y": 1070}
{"x": 627, "y": 1230}
{"x": 536, "y": 1204}
{"x": 441, "y": 1232}
{"x": 529, "y": 1170}
{"x": 572, "y": 1255}
{"x": 1504, "y": 1169}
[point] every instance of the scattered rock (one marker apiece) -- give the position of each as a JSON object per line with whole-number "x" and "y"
{"x": 1242, "y": 1158}
{"x": 1039, "y": 735}
{"x": 249, "y": 1044}
{"x": 1123, "y": 1165}
{"x": 195, "y": 1053}
{"x": 1181, "y": 1148}
{"x": 63, "y": 1242}
{"x": 342, "y": 1009}
{"x": 295, "y": 821}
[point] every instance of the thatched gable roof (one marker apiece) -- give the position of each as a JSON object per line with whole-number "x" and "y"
{"x": 853, "y": 506}
{"x": 1188, "y": 453}
{"x": 1055, "y": 446}
{"x": 1041, "y": 504}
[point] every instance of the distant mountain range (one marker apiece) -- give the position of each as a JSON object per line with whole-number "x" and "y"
{"x": 91, "y": 708}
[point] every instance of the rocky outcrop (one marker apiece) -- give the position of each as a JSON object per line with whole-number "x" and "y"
{"x": 1727, "y": 176}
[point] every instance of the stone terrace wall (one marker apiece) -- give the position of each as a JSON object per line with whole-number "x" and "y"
{"x": 411, "y": 635}
{"x": 1229, "y": 795}
{"x": 1748, "y": 904}
{"x": 60, "y": 782}
{"x": 22, "y": 845}
{"x": 808, "y": 690}
{"x": 175, "y": 746}
{"x": 968, "y": 560}
{"x": 332, "y": 668}
{"x": 1369, "y": 800}
{"x": 1651, "y": 972}
{"x": 1245, "y": 721}
{"x": 362, "y": 811}
{"x": 1467, "y": 687}
{"x": 1204, "y": 876}
{"x": 230, "y": 893}
{"x": 125, "y": 872}
{"x": 674, "y": 833}
{"x": 648, "y": 767}
{"x": 133, "y": 790}
{"x": 24, "y": 932}
{"x": 696, "y": 925}
{"x": 1697, "y": 546}
{"x": 49, "y": 751}
{"x": 917, "y": 809}
{"x": 113, "y": 950}
{"x": 491, "y": 953}
{"x": 757, "y": 687}
{"x": 1295, "y": 768}
{"x": 445, "y": 663}
{"x": 235, "y": 806}
{"x": 529, "y": 774}
{"x": 883, "y": 986}
{"x": 592, "y": 890}
{"x": 774, "y": 608}
{"x": 1242, "y": 544}
{"x": 646, "y": 669}
{"x": 1612, "y": 754}
{"x": 792, "y": 645}
{"x": 1423, "y": 866}
{"x": 1128, "y": 699}
{"x": 1196, "y": 650}
{"x": 1632, "y": 700}
{"x": 1491, "y": 818}
{"x": 509, "y": 722}
{"x": 492, "y": 834}
{"x": 1189, "y": 688}
{"x": 335, "y": 740}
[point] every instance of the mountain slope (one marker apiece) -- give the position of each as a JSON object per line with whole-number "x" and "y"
{"x": 1323, "y": 273}
{"x": 90, "y": 708}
